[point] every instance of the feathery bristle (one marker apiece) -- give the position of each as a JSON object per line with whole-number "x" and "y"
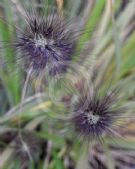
{"x": 94, "y": 116}
{"x": 47, "y": 40}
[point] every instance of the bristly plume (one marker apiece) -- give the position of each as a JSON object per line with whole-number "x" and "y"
{"x": 47, "y": 40}
{"x": 95, "y": 115}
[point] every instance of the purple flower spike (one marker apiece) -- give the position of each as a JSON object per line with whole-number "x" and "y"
{"x": 94, "y": 116}
{"x": 47, "y": 40}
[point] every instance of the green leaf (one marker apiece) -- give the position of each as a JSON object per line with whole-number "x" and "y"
{"x": 92, "y": 20}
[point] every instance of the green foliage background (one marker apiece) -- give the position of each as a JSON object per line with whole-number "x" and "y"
{"x": 109, "y": 42}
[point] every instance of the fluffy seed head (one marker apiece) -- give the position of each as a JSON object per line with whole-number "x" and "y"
{"x": 93, "y": 116}
{"x": 47, "y": 40}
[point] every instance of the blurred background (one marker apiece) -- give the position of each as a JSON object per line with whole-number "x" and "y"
{"x": 107, "y": 49}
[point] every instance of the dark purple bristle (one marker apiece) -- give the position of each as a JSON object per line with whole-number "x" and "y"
{"x": 94, "y": 116}
{"x": 47, "y": 39}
